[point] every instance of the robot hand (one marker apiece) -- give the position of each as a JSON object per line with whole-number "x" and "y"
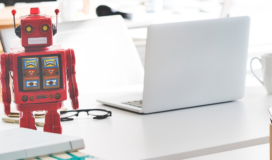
{"x": 71, "y": 74}
{"x": 75, "y": 103}
{"x": 73, "y": 92}
{"x": 6, "y": 96}
{"x": 7, "y": 109}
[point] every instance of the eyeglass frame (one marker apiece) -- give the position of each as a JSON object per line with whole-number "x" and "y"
{"x": 109, "y": 114}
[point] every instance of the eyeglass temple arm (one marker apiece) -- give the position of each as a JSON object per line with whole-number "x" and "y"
{"x": 79, "y": 110}
{"x": 84, "y": 110}
{"x": 87, "y": 110}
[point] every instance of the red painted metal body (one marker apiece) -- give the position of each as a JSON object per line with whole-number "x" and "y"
{"x": 33, "y": 92}
{"x": 15, "y": 54}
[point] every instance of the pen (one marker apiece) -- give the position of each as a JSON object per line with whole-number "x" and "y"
{"x": 11, "y": 120}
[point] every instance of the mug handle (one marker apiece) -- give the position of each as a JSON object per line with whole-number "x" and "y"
{"x": 253, "y": 71}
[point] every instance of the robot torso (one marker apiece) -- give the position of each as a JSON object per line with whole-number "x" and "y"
{"x": 39, "y": 76}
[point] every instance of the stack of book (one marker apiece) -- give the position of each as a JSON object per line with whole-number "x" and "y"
{"x": 21, "y": 143}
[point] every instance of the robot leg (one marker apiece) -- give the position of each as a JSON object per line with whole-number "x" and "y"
{"x": 27, "y": 120}
{"x": 52, "y": 122}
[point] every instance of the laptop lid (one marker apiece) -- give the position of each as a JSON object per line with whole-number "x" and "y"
{"x": 195, "y": 63}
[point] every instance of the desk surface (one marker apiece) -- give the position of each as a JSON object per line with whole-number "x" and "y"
{"x": 177, "y": 134}
{"x": 249, "y": 153}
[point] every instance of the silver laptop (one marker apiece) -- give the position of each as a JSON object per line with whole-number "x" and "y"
{"x": 191, "y": 64}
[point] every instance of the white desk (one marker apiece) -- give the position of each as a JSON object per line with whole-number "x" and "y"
{"x": 260, "y": 152}
{"x": 178, "y": 134}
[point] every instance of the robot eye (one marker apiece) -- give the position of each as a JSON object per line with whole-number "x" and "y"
{"x": 45, "y": 28}
{"x": 28, "y": 29}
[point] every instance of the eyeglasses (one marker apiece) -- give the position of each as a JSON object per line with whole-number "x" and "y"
{"x": 97, "y": 113}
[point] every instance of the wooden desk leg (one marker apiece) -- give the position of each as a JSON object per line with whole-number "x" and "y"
{"x": 270, "y": 141}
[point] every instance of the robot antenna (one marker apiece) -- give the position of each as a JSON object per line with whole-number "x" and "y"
{"x": 57, "y": 12}
{"x": 13, "y": 13}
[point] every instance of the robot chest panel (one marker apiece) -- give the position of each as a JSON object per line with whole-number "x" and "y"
{"x": 41, "y": 72}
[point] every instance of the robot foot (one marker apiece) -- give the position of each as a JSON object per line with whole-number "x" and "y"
{"x": 27, "y": 120}
{"x": 47, "y": 128}
{"x": 52, "y": 129}
{"x": 57, "y": 129}
{"x": 52, "y": 122}
{"x": 34, "y": 128}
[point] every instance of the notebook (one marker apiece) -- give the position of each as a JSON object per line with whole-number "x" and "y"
{"x": 21, "y": 143}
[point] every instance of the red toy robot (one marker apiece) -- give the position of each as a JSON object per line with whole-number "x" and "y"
{"x": 38, "y": 72}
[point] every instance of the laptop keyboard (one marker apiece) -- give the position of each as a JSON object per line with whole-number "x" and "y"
{"x": 134, "y": 103}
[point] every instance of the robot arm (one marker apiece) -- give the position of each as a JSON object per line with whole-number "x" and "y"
{"x": 71, "y": 74}
{"x": 5, "y": 68}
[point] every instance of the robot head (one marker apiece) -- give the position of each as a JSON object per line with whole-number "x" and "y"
{"x": 35, "y": 30}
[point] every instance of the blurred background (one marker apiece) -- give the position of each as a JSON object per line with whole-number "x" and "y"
{"x": 143, "y": 13}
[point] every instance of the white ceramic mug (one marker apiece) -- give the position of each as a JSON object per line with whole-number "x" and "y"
{"x": 266, "y": 62}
